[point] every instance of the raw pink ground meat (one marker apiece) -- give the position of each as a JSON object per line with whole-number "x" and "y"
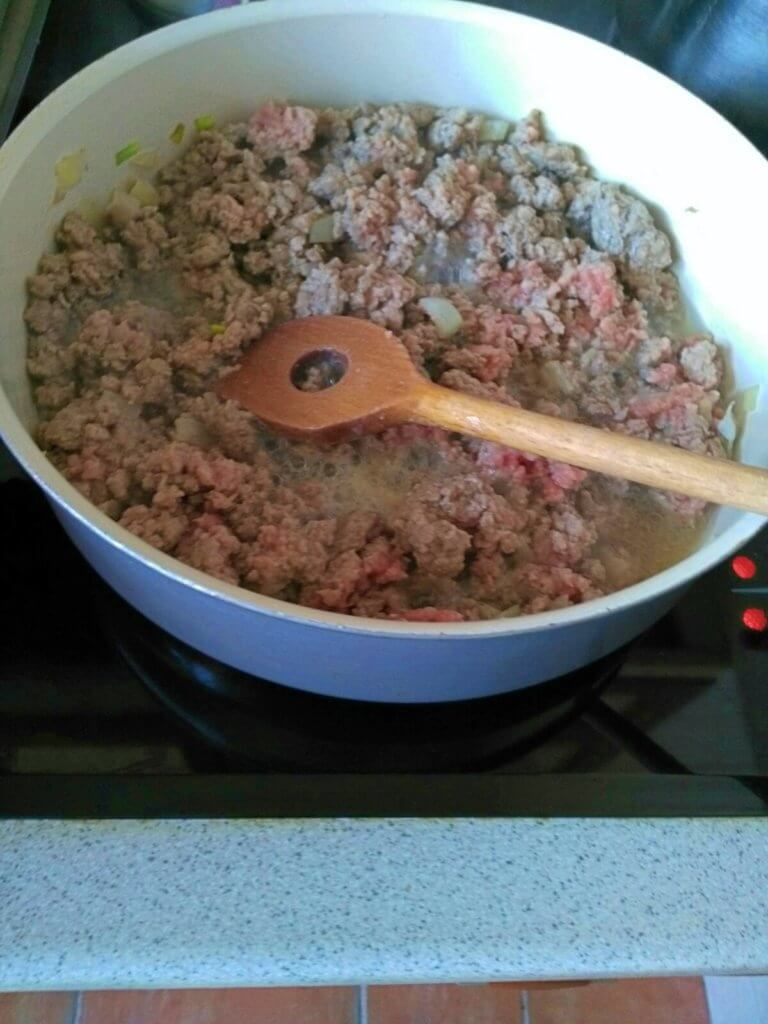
{"x": 565, "y": 295}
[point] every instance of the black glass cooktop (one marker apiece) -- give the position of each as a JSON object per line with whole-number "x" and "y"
{"x": 103, "y": 715}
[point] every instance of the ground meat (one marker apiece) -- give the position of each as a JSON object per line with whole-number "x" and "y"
{"x": 452, "y": 129}
{"x": 554, "y": 157}
{"x": 700, "y": 362}
{"x": 556, "y": 278}
{"x": 322, "y": 292}
{"x": 429, "y": 615}
{"x": 274, "y": 131}
{"x": 158, "y": 527}
{"x": 439, "y": 547}
{"x": 447, "y": 190}
{"x": 622, "y": 226}
{"x": 209, "y": 545}
{"x": 52, "y": 277}
{"x": 145, "y": 235}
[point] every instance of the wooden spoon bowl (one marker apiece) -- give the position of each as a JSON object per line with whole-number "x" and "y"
{"x": 378, "y": 376}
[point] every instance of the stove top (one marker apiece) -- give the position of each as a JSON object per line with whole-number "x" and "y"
{"x": 104, "y": 715}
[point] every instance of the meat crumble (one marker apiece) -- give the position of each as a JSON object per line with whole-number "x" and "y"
{"x": 561, "y": 299}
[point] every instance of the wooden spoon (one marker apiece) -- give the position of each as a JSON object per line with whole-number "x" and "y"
{"x": 378, "y": 386}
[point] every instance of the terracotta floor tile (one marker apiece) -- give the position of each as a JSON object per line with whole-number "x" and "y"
{"x": 222, "y": 1006}
{"x": 36, "y": 1007}
{"x": 643, "y": 1001}
{"x": 444, "y": 1004}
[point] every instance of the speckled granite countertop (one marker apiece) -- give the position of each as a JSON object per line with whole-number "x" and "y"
{"x": 198, "y": 903}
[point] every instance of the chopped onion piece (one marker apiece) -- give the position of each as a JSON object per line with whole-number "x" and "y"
{"x": 731, "y": 426}
{"x": 443, "y": 314}
{"x": 146, "y": 158}
{"x": 91, "y": 212}
{"x": 749, "y": 398}
{"x": 493, "y": 130}
{"x": 128, "y": 151}
{"x": 556, "y": 376}
{"x": 144, "y": 193}
{"x": 205, "y": 123}
{"x": 727, "y": 426}
{"x": 217, "y": 328}
{"x": 190, "y": 430}
{"x": 177, "y": 135}
{"x": 122, "y": 208}
{"x": 68, "y": 171}
{"x": 322, "y": 229}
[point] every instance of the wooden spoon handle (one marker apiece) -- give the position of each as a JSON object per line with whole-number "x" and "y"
{"x": 631, "y": 458}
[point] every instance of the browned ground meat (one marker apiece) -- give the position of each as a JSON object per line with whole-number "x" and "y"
{"x": 566, "y": 305}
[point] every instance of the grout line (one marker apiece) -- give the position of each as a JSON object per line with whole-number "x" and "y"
{"x": 362, "y": 1004}
{"x": 77, "y": 1007}
{"x": 525, "y": 1009}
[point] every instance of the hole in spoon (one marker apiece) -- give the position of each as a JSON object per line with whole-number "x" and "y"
{"x": 319, "y": 370}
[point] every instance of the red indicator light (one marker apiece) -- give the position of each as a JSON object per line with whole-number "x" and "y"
{"x": 756, "y": 619}
{"x": 743, "y": 567}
